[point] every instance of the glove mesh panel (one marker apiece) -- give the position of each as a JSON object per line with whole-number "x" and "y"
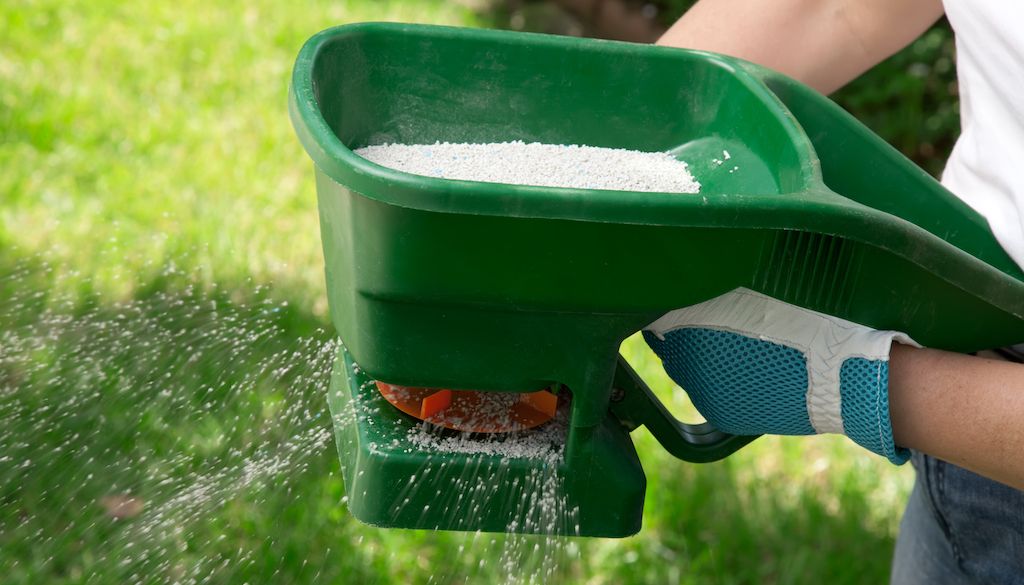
{"x": 741, "y": 385}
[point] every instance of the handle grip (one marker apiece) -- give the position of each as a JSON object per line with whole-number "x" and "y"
{"x": 635, "y": 405}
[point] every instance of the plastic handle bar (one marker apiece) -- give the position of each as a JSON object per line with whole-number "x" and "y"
{"x": 635, "y": 405}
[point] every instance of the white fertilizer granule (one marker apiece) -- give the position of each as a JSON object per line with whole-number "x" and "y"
{"x": 543, "y": 165}
{"x": 543, "y": 443}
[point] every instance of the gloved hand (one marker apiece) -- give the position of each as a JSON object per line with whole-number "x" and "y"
{"x": 755, "y": 365}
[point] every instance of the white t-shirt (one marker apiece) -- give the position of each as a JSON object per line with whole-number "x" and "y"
{"x": 986, "y": 168}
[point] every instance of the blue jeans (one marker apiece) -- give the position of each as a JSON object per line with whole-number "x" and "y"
{"x": 959, "y": 528}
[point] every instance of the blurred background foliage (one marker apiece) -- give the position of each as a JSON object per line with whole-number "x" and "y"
{"x": 910, "y": 99}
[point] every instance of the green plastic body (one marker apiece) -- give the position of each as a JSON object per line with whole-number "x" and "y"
{"x": 483, "y": 286}
{"x": 390, "y": 483}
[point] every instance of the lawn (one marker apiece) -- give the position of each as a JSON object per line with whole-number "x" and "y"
{"x": 164, "y": 341}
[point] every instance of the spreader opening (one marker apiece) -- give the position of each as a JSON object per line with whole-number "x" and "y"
{"x": 473, "y": 411}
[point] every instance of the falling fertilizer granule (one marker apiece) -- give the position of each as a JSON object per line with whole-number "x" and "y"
{"x": 542, "y": 165}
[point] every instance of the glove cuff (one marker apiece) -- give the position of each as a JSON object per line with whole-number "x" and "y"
{"x": 864, "y": 391}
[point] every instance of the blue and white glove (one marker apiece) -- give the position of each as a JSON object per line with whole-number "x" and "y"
{"x": 754, "y": 365}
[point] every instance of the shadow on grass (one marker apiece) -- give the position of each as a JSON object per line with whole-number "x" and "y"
{"x": 183, "y": 436}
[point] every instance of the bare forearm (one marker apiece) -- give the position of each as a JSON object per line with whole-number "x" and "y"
{"x": 824, "y": 43}
{"x": 963, "y": 409}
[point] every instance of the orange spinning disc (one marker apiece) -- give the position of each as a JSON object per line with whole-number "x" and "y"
{"x": 471, "y": 411}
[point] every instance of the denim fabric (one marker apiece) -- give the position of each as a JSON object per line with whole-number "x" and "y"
{"x": 959, "y": 528}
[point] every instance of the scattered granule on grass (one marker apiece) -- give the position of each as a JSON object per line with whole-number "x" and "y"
{"x": 543, "y": 165}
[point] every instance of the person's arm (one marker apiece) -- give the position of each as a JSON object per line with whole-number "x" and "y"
{"x": 823, "y": 43}
{"x": 963, "y": 409}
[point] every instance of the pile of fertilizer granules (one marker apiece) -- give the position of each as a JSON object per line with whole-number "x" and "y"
{"x": 544, "y": 443}
{"x": 543, "y": 165}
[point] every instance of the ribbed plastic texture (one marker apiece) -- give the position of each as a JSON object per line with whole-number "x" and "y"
{"x": 864, "y": 388}
{"x": 758, "y": 386}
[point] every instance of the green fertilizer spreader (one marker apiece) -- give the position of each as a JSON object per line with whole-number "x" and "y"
{"x": 499, "y": 288}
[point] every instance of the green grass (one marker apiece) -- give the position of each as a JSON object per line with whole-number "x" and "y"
{"x": 138, "y": 136}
